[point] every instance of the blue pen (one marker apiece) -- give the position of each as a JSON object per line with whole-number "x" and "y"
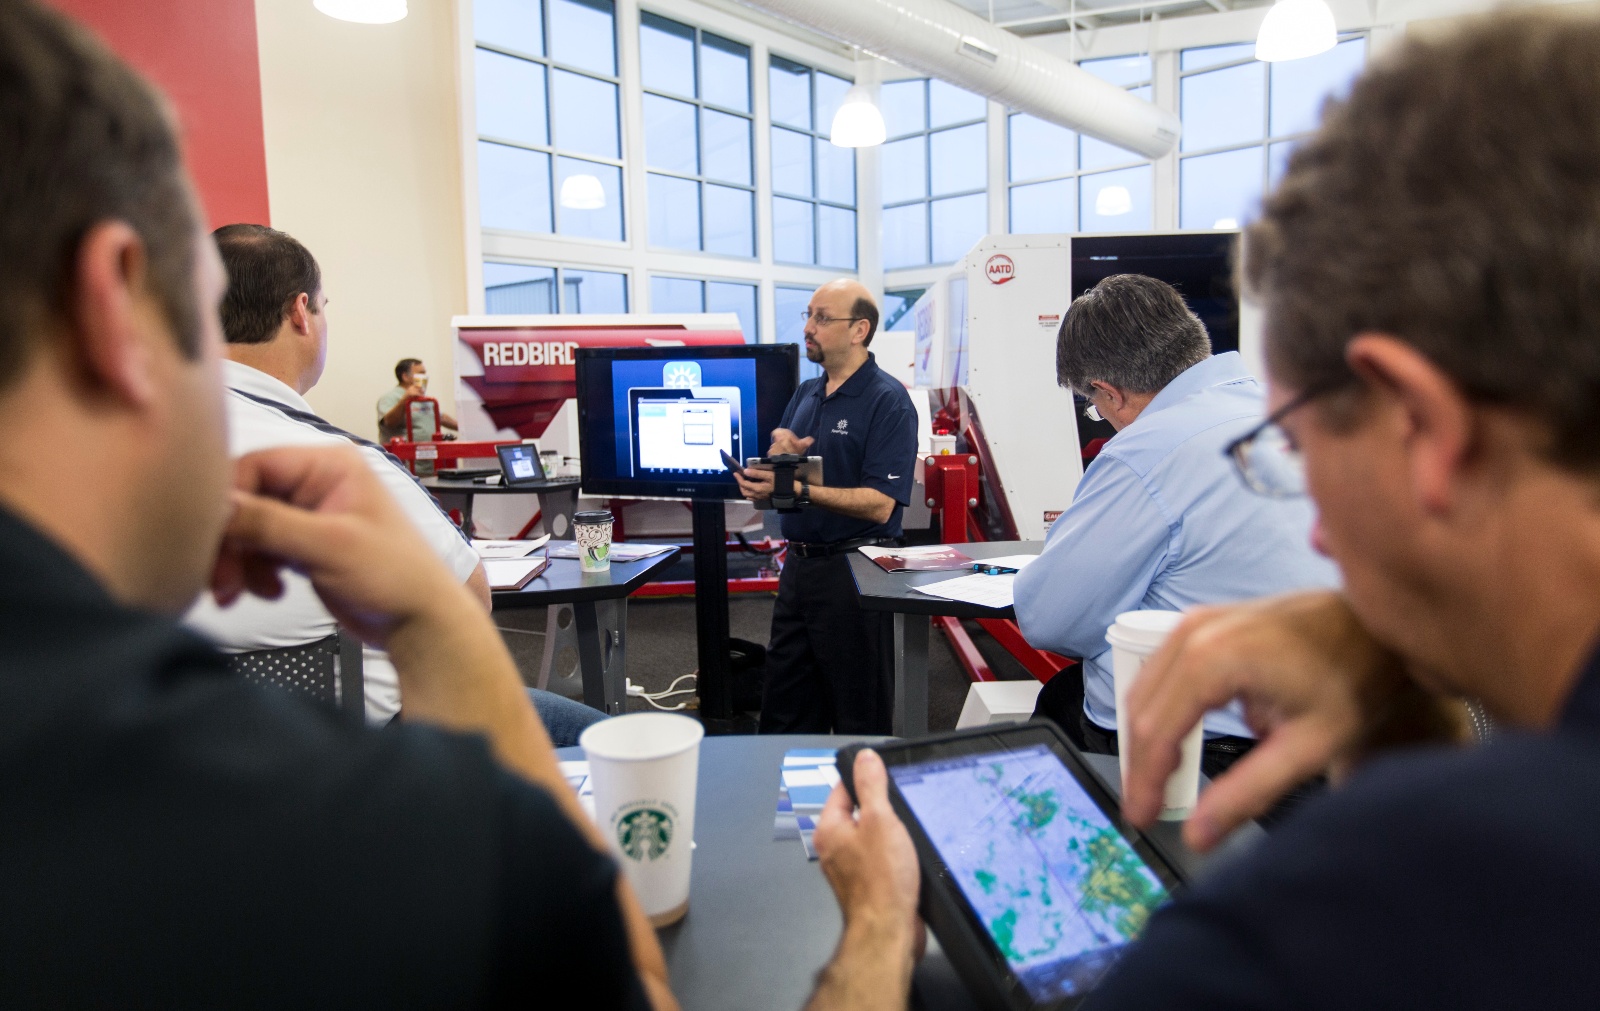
{"x": 992, "y": 570}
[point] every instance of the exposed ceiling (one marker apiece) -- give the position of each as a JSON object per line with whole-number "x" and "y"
{"x": 1036, "y": 17}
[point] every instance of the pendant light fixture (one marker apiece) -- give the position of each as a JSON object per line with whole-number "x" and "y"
{"x": 1295, "y": 29}
{"x": 582, "y": 192}
{"x": 858, "y": 123}
{"x": 366, "y": 12}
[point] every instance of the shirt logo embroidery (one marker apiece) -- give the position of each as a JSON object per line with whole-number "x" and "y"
{"x": 840, "y": 426}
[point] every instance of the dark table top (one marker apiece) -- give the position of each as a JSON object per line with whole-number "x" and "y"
{"x": 467, "y": 486}
{"x": 564, "y": 582}
{"x": 762, "y": 919}
{"x": 892, "y": 591}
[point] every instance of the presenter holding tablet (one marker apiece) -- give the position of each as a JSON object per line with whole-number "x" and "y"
{"x": 829, "y": 662}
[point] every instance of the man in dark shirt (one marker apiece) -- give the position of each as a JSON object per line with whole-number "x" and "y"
{"x": 1427, "y": 272}
{"x": 829, "y": 661}
{"x": 168, "y": 834}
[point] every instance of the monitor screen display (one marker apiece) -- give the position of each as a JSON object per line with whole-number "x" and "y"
{"x": 656, "y": 421}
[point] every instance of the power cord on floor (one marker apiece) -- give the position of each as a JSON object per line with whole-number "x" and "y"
{"x": 638, "y": 692}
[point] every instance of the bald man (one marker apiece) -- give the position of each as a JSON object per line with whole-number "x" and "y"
{"x": 829, "y": 664}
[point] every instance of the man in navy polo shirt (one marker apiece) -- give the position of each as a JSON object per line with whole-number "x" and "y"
{"x": 828, "y": 664}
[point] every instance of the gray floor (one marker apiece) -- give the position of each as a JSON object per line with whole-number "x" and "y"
{"x": 661, "y": 646}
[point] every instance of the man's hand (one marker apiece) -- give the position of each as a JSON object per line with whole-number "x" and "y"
{"x": 1315, "y": 685}
{"x": 786, "y": 442}
{"x": 870, "y": 862}
{"x": 325, "y": 514}
{"x": 755, "y": 483}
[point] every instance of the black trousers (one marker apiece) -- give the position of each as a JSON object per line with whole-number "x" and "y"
{"x": 830, "y": 664}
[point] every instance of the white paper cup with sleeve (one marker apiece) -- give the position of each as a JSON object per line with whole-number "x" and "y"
{"x": 592, "y": 530}
{"x": 644, "y": 768}
{"x": 1133, "y": 638}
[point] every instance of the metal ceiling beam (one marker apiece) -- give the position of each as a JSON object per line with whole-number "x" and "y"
{"x": 1091, "y": 12}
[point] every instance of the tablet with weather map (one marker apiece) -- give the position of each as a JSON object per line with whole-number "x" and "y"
{"x": 1031, "y": 880}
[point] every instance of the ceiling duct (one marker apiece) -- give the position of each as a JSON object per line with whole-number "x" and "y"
{"x": 938, "y": 38}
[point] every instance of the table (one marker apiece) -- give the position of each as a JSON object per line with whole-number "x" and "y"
{"x": 762, "y": 919}
{"x": 878, "y": 590}
{"x": 598, "y": 619}
{"x": 558, "y": 498}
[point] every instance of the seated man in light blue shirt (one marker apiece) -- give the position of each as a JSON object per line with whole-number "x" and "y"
{"x": 1160, "y": 519}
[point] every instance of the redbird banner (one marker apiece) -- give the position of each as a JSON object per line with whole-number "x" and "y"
{"x": 528, "y": 372}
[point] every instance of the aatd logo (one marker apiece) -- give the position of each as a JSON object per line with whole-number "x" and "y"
{"x": 840, "y": 426}
{"x": 644, "y": 833}
{"x": 1000, "y": 269}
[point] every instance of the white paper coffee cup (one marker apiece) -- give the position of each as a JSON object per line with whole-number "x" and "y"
{"x": 1133, "y": 638}
{"x": 644, "y": 768}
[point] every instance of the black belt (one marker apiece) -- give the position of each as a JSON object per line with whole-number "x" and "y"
{"x": 805, "y": 550}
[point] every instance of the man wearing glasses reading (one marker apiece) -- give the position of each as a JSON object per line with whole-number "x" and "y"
{"x": 828, "y": 664}
{"x": 1159, "y": 520}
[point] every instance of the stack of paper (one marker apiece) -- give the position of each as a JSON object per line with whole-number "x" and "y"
{"x": 808, "y": 776}
{"x": 979, "y": 588}
{"x": 627, "y": 552}
{"x": 508, "y": 549}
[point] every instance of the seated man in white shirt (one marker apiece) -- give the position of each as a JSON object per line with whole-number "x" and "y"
{"x": 276, "y": 326}
{"x": 1160, "y": 520}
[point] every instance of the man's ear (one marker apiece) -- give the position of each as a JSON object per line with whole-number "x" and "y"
{"x": 114, "y": 318}
{"x": 300, "y": 314}
{"x": 1114, "y": 398}
{"x": 1430, "y": 414}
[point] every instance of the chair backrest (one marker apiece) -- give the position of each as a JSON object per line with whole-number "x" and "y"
{"x": 328, "y": 670}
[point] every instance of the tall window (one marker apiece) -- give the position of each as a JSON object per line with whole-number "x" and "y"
{"x": 813, "y": 182}
{"x": 549, "y": 141}
{"x": 523, "y": 288}
{"x": 697, "y": 144}
{"x": 1063, "y": 182}
{"x": 692, "y": 294}
{"x": 897, "y": 308}
{"x": 935, "y": 172}
{"x": 1241, "y": 118}
{"x": 791, "y": 305}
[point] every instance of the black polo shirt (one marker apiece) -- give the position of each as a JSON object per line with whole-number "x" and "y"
{"x": 1457, "y": 879}
{"x": 866, "y": 434}
{"x": 172, "y": 836}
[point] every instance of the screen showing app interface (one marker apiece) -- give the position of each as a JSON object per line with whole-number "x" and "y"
{"x": 683, "y": 434}
{"x": 1060, "y": 891}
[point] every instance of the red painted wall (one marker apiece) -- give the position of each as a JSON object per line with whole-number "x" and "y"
{"x": 202, "y": 53}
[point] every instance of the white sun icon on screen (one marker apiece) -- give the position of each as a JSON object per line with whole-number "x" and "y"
{"x": 681, "y": 374}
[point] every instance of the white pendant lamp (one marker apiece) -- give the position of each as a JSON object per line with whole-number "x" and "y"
{"x": 582, "y": 192}
{"x": 1113, "y": 202}
{"x": 1295, "y": 29}
{"x": 366, "y": 12}
{"x": 858, "y": 123}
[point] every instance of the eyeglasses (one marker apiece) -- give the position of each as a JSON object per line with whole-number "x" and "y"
{"x": 822, "y": 320}
{"x": 1089, "y": 410}
{"x": 1266, "y": 458}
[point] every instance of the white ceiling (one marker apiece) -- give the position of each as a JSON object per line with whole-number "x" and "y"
{"x": 1033, "y": 17}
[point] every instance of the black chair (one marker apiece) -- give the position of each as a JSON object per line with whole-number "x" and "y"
{"x": 328, "y": 670}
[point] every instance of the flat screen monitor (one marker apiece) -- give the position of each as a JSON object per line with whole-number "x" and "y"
{"x": 1198, "y": 264}
{"x": 654, "y": 422}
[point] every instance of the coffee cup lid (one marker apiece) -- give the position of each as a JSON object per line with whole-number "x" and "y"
{"x": 1143, "y": 629}
{"x": 592, "y": 516}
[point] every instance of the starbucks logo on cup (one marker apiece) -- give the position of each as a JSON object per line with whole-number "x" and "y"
{"x": 644, "y": 833}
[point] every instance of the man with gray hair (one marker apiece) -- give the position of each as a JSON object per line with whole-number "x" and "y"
{"x": 1159, "y": 520}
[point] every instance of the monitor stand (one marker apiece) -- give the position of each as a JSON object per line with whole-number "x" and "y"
{"x": 715, "y": 683}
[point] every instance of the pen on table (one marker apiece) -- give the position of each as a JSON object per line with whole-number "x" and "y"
{"x": 992, "y": 570}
